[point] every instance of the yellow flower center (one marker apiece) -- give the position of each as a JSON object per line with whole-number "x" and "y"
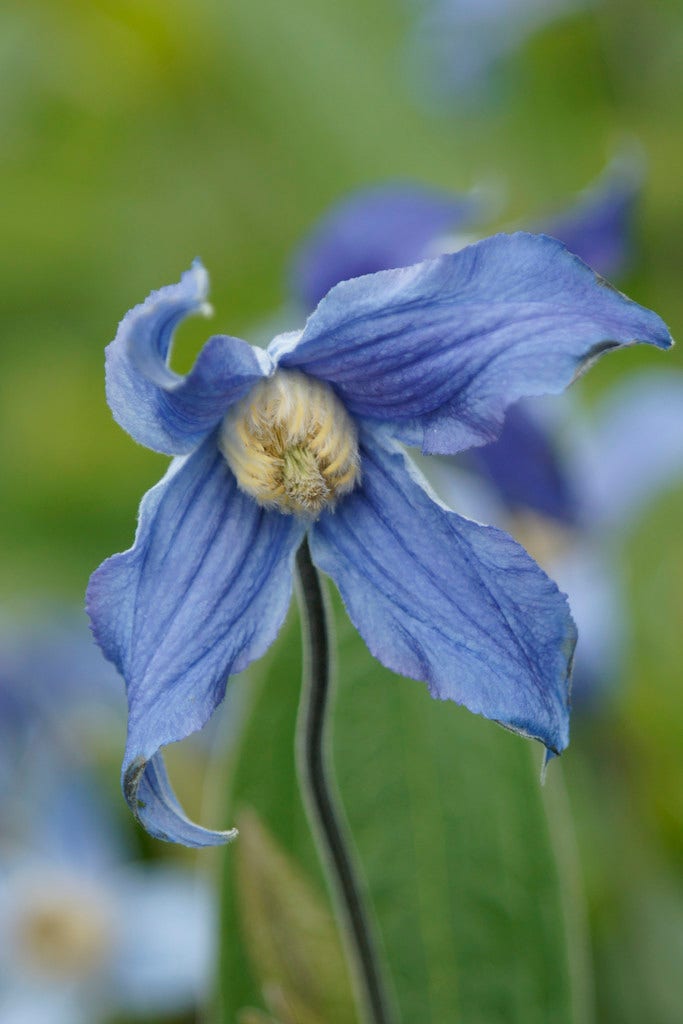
{"x": 64, "y": 933}
{"x": 291, "y": 444}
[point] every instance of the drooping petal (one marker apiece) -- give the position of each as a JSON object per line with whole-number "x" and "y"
{"x": 375, "y": 229}
{"x": 158, "y": 407}
{"x": 634, "y": 448}
{"x": 599, "y": 227}
{"x": 150, "y": 796}
{"x": 441, "y": 349}
{"x": 202, "y": 593}
{"x": 442, "y": 599}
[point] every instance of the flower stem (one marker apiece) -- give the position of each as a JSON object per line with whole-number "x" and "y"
{"x": 320, "y": 796}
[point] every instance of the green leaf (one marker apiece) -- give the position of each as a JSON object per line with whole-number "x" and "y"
{"x": 448, "y": 819}
{"x": 291, "y": 937}
{"x": 251, "y": 1016}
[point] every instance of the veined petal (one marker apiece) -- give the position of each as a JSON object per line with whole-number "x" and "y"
{"x": 375, "y": 229}
{"x": 440, "y": 349}
{"x": 201, "y": 594}
{"x": 634, "y": 448}
{"x": 442, "y": 599}
{"x": 599, "y": 226}
{"x": 150, "y": 796}
{"x": 162, "y": 409}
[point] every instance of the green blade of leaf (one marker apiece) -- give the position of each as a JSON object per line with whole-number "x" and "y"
{"x": 448, "y": 820}
{"x": 291, "y": 936}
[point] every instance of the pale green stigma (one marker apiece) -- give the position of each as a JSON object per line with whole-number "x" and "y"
{"x": 291, "y": 444}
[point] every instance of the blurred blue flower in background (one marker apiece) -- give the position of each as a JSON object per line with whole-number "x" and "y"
{"x": 431, "y": 356}
{"x": 396, "y": 224}
{"x": 86, "y": 934}
{"x": 378, "y": 228}
{"x": 599, "y": 225}
{"x": 459, "y": 45}
{"x": 57, "y": 700}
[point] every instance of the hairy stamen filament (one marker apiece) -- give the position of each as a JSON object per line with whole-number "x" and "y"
{"x": 291, "y": 444}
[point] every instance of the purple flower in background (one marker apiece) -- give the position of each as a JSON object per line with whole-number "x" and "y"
{"x": 86, "y": 934}
{"x": 305, "y": 438}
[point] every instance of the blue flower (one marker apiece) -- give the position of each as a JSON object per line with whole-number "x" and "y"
{"x": 85, "y": 932}
{"x": 306, "y": 438}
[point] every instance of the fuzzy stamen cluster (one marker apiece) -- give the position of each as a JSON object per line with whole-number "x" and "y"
{"x": 291, "y": 444}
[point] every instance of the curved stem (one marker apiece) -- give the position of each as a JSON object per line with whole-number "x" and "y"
{"x": 319, "y": 791}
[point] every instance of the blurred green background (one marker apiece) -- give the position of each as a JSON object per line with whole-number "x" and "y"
{"x": 137, "y": 135}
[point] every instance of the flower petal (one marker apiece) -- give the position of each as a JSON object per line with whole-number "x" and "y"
{"x": 599, "y": 227}
{"x": 634, "y": 449}
{"x": 525, "y": 469}
{"x": 375, "y": 229}
{"x": 162, "y": 409}
{"x": 202, "y": 593}
{"x": 149, "y": 795}
{"x": 442, "y": 599}
{"x": 440, "y": 349}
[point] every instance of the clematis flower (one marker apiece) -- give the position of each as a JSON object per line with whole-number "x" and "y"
{"x": 305, "y": 438}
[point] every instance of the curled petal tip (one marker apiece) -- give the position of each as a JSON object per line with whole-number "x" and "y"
{"x": 196, "y": 280}
{"x": 149, "y": 795}
{"x": 549, "y": 756}
{"x": 199, "y": 267}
